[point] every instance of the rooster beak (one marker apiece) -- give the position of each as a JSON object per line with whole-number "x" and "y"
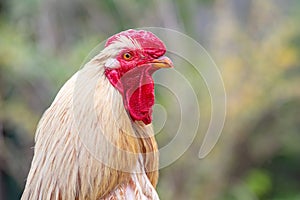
{"x": 162, "y": 62}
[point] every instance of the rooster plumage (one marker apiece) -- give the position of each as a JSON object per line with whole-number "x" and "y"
{"x": 96, "y": 140}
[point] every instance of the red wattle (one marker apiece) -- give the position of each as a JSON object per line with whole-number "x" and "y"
{"x": 140, "y": 103}
{"x": 137, "y": 89}
{"x": 138, "y": 93}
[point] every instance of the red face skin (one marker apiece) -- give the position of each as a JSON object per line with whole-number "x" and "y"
{"x": 133, "y": 78}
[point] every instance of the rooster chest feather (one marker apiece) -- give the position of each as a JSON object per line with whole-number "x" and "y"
{"x": 138, "y": 187}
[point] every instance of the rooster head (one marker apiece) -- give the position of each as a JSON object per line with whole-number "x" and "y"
{"x": 132, "y": 57}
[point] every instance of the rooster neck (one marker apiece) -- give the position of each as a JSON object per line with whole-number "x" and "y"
{"x": 148, "y": 149}
{"x": 73, "y": 155}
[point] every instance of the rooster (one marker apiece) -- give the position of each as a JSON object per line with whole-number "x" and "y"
{"x": 96, "y": 140}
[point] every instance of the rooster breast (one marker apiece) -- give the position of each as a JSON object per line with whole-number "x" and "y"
{"x": 138, "y": 187}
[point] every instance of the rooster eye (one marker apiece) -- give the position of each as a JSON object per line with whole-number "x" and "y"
{"x": 127, "y": 56}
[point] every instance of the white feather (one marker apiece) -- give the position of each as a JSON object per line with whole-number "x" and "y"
{"x": 112, "y": 63}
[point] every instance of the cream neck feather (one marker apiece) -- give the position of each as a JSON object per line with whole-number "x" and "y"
{"x": 86, "y": 145}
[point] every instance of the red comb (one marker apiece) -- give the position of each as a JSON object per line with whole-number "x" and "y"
{"x": 146, "y": 39}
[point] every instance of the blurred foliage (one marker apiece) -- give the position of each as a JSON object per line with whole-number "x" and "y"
{"x": 256, "y": 45}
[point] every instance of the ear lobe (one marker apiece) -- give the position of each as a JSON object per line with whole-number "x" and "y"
{"x": 112, "y": 63}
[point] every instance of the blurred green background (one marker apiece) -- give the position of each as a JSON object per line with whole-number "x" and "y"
{"x": 256, "y": 45}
